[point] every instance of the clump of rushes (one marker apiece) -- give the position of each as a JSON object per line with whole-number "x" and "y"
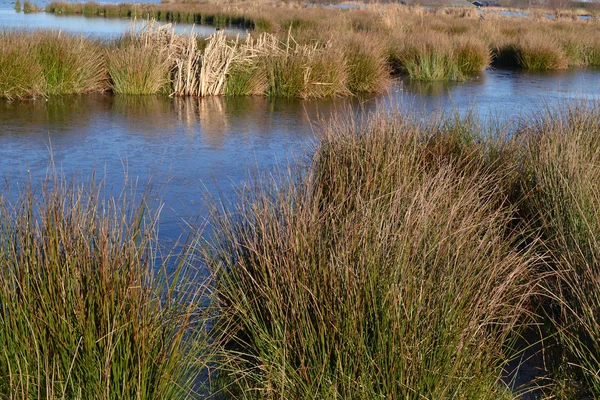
{"x": 138, "y": 66}
{"x": 18, "y": 6}
{"x": 473, "y": 55}
{"x": 285, "y": 73}
{"x": 385, "y": 271}
{"x": 71, "y": 64}
{"x": 48, "y": 63}
{"x": 326, "y": 74}
{"x": 29, "y": 7}
{"x": 366, "y": 63}
{"x": 539, "y": 53}
{"x": 246, "y": 78}
{"x": 427, "y": 60}
{"x": 562, "y": 158}
{"x": 591, "y": 52}
{"x": 436, "y": 57}
{"x": 86, "y": 308}
{"x": 21, "y": 76}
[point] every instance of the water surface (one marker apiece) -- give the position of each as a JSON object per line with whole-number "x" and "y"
{"x": 77, "y": 24}
{"x": 190, "y": 147}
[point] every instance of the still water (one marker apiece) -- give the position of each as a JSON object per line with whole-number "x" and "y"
{"x": 77, "y": 24}
{"x": 190, "y": 147}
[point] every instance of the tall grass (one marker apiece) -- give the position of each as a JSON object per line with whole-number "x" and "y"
{"x": 140, "y": 64}
{"x": 72, "y": 65}
{"x": 19, "y": 76}
{"x": 88, "y": 307}
{"x": 387, "y": 270}
{"x": 366, "y": 64}
{"x": 562, "y": 156}
{"x": 29, "y": 7}
{"x": 49, "y": 63}
{"x": 443, "y": 44}
{"x": 538, "y": 53}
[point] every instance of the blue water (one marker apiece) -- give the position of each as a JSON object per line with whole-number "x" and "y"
{"x": 77, "y": 24}
{"x": 190, "y": 147}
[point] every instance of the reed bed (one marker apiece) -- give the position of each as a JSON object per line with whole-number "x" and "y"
{"x": 425, "y": 44}
{"x": 405, "y": 259}
{"x": 562, "y": 155}
{"x": 318, "y": 52}
{"x": 90, "y": 304}
{"x": 408, "y": 257}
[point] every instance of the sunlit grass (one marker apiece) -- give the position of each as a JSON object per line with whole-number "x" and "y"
{"x": 90, "y": 305}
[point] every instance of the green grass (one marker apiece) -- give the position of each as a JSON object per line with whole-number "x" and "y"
{"x": 19, "y": 77}
{"x": 46, "y": 63}
{"x": 246, "y": 79}
{"x": 566, "y": 196}
{"x": 138, "y": 68}
{"x": 538, "y": 53}
{"x": 403, "y": 260}
{"x": 88, "y": 307}
{"x": 17, "y": 6}
{"x": 72, "y": 65}
{"x": 384, "y": 271}
{"x": 29, "y": 7}
{"x": 437, "y": 58}
{"x": 366, "y": 64}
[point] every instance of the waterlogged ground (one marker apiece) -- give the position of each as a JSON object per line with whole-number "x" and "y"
{"x": 188, "y": 147}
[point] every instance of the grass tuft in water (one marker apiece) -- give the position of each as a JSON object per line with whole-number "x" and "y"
{"x": 90, "y": 306}
{"x": 385, "y": 271}
{"x": 137, "y": 66}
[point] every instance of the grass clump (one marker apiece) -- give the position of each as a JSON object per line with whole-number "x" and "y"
{"x": 366, "y": 64}
{"x": 538, "y": 53}
{"x": 138, "y": 65}
{"x": 246, "y": 79}
{"x": 29, "y": 7}
{"x": 87, "y": 310}
{"x": 72, "y": 65}
{"x": 20, "y": 78}
{"x": 437, "y": 58}
{"x": 47, "y": 63}
{"x": 382, "y": 272}
{"x": 562, "y": 157}
{"x": 17, "y": 6}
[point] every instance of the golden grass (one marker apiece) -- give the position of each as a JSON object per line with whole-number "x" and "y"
{"x": 319, "y": 52}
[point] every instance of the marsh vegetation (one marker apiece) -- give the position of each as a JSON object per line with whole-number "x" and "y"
{"x": 291, "y": 51}
{"x": 405, "y": 259}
